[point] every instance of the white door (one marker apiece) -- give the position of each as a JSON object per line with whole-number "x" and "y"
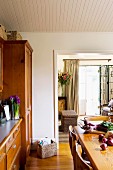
{"x": 89, "y": 90}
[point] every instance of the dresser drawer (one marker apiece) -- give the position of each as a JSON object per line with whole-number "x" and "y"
{"x": 17, "y": 130}
{"x": 16, "y": 164}
{"x": 9, "y": 142}
{"x": 13, "y": 150}
{"x": 2, "y": 150}
{"x": 3, "y": 161}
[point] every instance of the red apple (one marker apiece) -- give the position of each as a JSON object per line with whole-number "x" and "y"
{"x": 110, "y": 138}
{"x": 101, "y": 136}
{"x": 104, "y": 140}
{"x": 110, "y": 142}
{"x": 103, "y": 146}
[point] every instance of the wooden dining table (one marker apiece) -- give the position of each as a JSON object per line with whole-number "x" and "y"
{"x": 100, "y": 159}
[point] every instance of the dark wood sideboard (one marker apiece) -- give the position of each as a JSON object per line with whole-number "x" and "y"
{"x": 62, "y": 104}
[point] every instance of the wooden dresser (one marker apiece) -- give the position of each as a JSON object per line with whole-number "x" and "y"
{"x": 17, "y": 80}
{"x": 1, "y": 64}
{"x": 10, "y": 145}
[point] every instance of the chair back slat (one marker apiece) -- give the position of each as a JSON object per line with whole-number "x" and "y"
{"x": 72, "y": 138}
{"x": 80, "y": 163}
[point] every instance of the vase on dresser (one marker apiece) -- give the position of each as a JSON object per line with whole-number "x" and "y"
{"x": 61, "y": 89}
{"x": 16, "y": 110}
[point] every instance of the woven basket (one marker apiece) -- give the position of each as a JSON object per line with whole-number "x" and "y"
{"x": 68, "y": 117}
{"x": 47, "y": 150}
{"x": 13, "y": 35}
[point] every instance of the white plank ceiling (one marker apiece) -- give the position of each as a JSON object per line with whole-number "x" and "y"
{"x": 57, "y": 15}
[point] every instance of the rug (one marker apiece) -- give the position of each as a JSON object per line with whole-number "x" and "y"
{"x": 63, "y": 136}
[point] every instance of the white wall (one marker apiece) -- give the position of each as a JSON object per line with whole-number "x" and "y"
{"x": 43, "y": 45}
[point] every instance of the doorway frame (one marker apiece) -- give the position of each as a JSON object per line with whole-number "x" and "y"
{"x": 55, "y": 79}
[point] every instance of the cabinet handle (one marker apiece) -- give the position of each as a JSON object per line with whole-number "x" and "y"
{"x": 14, "y": 166}
{"x": 17, "y": 129}
{"x": 14, "y": 146}
{"x": 10, "y": 139}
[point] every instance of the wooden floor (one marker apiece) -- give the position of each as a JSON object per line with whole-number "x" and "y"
{"x": 63, "y": 160}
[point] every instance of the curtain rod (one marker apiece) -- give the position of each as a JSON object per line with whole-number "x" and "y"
{"x": 87, "y": 59}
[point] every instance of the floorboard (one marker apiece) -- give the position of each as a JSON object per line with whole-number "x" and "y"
{"x": 63, "y": 160}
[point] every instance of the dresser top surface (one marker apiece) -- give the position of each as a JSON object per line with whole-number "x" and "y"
{"x": 6, "y": 128}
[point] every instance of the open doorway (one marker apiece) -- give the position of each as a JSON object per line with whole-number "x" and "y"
{"x": 89, "y": 96}
{"x": 103, "y": 56}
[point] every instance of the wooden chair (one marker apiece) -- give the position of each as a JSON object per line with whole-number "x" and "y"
{"x": 97, "y": 118}
{"x": 81, "y": 164}
{"x": 73, "y": 139}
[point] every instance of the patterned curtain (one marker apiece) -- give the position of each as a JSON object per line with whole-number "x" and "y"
{"x": 72, "y": 67}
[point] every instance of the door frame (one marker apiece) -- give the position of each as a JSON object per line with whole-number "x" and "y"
{"x": 55, "y": 79}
